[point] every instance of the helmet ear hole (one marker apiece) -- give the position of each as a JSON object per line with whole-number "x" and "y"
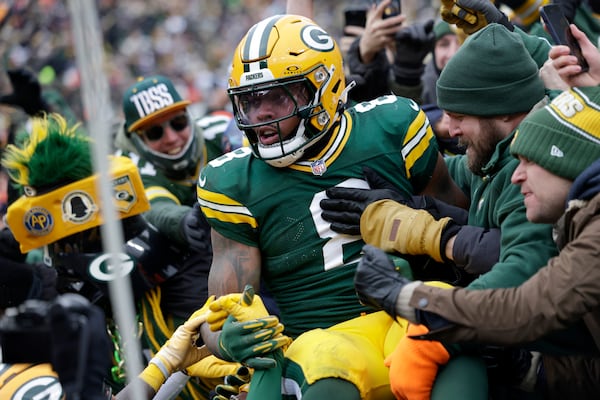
{"x": 336, "y": 87}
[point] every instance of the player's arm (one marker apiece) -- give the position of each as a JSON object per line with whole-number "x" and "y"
{"x": 300, "y": 7}
{"x": 442, "y": 187}
{"x": 234, "y": 265}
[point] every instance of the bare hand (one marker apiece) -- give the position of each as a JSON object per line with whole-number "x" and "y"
{"x": 567, "y": 67}
{"x": 551, "y": 78}
{"x": 379, "y": 33}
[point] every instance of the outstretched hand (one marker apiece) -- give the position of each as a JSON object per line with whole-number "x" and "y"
{"x": 472, "y": 15}
{"x": 195, "y": 229}
{"x": 377, "y": 282}
{"x": 248, "y": 333}
{"x": 344, "y": 206}
{"x": 567, "y": 67}
{"x": 413, "y": 44}
{"x": 27, "y": 92}
{"x": 414, "y": 364}
{"x": 180, "y": 351}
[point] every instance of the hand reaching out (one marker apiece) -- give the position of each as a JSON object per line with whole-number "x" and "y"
{"x": 566, "y": 64}
{"x": 379, "y": 33}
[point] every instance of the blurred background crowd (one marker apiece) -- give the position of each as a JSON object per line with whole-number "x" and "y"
{"x": 190, "y": 41}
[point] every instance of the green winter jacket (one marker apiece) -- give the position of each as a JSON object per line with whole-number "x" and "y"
{"x": 497, "y": 203}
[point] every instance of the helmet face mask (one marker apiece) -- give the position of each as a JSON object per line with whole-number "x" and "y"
{"x": 279, "y": 102}
{"x": 295, "y": 66}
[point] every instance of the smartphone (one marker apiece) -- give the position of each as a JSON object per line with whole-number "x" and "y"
{"x": 557, "y": 25}
{"x": 355, "y": 17}
{"x": 393, "y": 9}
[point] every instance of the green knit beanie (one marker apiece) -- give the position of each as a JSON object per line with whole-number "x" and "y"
{"x": 564, "y": 136}
{"x": 491, "y": 74}
{"x": 441, "y": 29}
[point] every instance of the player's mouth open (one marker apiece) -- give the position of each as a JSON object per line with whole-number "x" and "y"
{"x": 268, "y": 137}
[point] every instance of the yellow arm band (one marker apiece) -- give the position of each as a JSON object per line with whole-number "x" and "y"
{"x": 154, "y": 375}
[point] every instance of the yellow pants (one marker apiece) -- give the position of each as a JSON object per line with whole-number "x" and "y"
{"x": 353, "y": 350}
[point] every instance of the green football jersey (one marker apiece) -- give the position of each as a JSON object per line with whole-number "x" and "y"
{"x": 309, "y": 268}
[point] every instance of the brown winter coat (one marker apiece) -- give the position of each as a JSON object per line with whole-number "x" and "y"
{"x": 563, "y": 294}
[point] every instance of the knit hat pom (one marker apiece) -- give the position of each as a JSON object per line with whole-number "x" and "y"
{"x": 564, "y": 136}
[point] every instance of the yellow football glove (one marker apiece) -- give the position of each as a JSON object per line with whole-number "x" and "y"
{"x": 248, "y": 332}
{"x": 244, "y": 306}
{"x": 180, "y": 351}
{"x": 393, "y": 227}
{"x": 472, "y": 15}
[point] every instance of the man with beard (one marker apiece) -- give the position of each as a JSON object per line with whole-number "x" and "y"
{"x": 487, "y": 89}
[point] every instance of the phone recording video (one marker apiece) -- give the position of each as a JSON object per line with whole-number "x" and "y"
{"x": 393, "y": 9}
{"x": 557, "y": 25}
{"x": 355, "y": 17}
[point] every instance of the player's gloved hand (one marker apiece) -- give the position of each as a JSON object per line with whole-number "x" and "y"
{"x": 27, "y": 92}
{"x": 377, "y": 282}
{"x": 472, "y": 15}
{"x": 392, "y": 226}
{"x": 180, "y": 351}
{"x": 232, "y": 385}
{"x": 244, "y": 315}
{"x": 244, "y": 306}
{"x": 194, "y": 229}
{"x": 344, "y": 206}
{"x": 413, "y": 43}
{"x": 248, "y": 341}
{"x": 414, "y": 365}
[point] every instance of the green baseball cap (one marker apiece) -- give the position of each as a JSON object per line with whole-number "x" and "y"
{"x": 148, "y": 99}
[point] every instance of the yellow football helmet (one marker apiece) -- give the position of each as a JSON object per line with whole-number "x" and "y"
{"x": 295, "y": 64}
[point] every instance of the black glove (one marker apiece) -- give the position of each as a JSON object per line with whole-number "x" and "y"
{"x": 195, "y": 230}
{"x": 27, "y": 92}
{"x": 156, "y": 259}
{"x": 80, "y": 347}
{"x": 377, "y": 282}
{"x": 344, "y": 206}
{"x": 438, "y": 209}
{"x": 472, "y": 15}
{"x": 9, "y": 247}
{"x": 44, "y": 282}
{"x": 506, "y": 365}
{"x": 413, "y": 43}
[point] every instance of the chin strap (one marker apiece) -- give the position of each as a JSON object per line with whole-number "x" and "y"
{"x": 344, "y": 95}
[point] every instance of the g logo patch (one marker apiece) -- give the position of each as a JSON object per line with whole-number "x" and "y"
{"x": 102, "y": 269}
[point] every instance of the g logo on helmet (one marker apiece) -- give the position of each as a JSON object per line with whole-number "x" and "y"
{"x": 316, "y": 38}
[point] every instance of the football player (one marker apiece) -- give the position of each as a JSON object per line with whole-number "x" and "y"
{"x": 288, "y": 93}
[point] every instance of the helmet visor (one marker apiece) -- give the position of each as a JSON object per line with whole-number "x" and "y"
{"x": 269, "y": 104}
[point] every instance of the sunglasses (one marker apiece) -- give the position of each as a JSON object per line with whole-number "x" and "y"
{"x": 156, "y": 132}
